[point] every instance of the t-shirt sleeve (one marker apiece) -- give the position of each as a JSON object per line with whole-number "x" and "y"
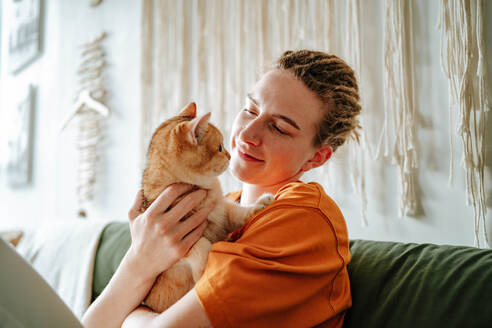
{"x": 285, "y": 267}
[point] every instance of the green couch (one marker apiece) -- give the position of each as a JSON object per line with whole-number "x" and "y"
{"x": 393, "y": 284}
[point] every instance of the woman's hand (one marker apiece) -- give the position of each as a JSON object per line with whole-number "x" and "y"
{"x": 159, "y": 237}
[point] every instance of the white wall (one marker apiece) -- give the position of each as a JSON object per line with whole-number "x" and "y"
{"x": 446, "y": 218}
{"x": 67, "y": 24}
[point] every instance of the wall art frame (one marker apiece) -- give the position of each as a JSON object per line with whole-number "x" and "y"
{"x": 24, "y": 33}
{"x": 20, "y": 138}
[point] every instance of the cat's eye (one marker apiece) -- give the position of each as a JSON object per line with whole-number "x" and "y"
{"x": 220, "y": 148}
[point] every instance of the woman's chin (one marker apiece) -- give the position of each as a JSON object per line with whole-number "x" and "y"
{"x": 236, "y": 172}
{"x": 242, "y": 173}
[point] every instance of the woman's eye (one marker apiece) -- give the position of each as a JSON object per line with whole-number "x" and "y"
{"x": 220, "y": 148}
{"x": 278, "y": 130}
{"x": 249, "y": 111}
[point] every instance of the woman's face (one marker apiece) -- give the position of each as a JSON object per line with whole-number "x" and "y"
{"x": 272, "y": 137}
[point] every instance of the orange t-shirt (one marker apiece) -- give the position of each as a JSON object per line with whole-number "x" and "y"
{"x": 286, "y": 267}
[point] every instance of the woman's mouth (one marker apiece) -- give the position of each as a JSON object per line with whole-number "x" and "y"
{"x": 247, "y": 157}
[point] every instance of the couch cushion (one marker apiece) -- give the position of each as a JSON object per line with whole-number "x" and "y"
{"x": 115, "y": 241}
{"x": 393, "y": 284}
{"x": 419, "y": 285}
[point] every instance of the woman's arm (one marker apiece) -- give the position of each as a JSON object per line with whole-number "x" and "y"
{"x": 159, "y": 239}
{"x": 187, "y": 312}
{"x": 124, "y": 292}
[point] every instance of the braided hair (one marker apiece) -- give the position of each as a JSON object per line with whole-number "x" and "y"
{"x": 335, "y": 84}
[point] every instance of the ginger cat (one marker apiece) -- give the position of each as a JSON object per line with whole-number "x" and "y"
{"x": 188, "y": 149}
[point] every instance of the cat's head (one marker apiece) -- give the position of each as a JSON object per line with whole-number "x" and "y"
{"x": 192, "y": 144}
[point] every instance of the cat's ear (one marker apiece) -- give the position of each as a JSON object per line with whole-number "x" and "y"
{"x": 189, "y": 110}
{"x": 198, "y": 128}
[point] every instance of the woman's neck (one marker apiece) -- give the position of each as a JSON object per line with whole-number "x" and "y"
{"x": 251, "y": 192}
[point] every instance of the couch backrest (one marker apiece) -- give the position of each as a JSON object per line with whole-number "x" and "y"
{"x": 115, "y": 241}
{"x": 393, "y": 284}
{"x": 419, "y": 285}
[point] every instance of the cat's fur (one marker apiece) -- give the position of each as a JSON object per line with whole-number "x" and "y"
{"x": 188, "y": 149}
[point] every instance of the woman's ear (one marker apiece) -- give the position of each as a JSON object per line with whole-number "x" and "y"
{"x": 319, "y": 158}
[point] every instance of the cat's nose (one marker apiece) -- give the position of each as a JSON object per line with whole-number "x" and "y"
{"x": 228, "y": 155}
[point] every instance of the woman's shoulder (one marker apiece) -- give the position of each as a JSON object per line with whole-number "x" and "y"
{"x": 309, "y": 194}
{"x": 297, "y": 204}
{"x": 297, "y": 193}
{"x": 301, "y": 217}
{"x": 300, "y": 212}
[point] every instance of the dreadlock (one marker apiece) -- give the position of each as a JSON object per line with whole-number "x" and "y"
{"x": 335, "y": 84}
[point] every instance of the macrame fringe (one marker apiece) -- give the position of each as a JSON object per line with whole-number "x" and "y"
{"x": 357, "y": 152}
{"x": 147, "y": 82}
{"x": 398, "y": 88}
{"x": 232, "y": 38}
{"x": 462, "y": 61}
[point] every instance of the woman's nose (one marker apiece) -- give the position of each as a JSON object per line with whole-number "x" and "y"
{"x": 251, "y": 133}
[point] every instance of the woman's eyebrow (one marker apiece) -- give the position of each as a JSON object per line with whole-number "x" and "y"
{"x": 288, "y": 120}
{"x": 282, "y": 117}
{"x": 250, "y": 97}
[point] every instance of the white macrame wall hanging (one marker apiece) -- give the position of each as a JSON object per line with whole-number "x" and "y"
{"x": 463, "y": 59}
{"x": 399, "y": 102}
{"x": 357, "y": 151}
{"x": 212, "y": 52}
{"x": 90, "y": 111}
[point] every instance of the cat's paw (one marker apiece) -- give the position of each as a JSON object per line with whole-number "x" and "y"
{"x": 263, "y": 201}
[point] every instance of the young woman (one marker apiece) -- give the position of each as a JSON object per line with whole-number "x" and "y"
{"x": 286, "y": 267}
